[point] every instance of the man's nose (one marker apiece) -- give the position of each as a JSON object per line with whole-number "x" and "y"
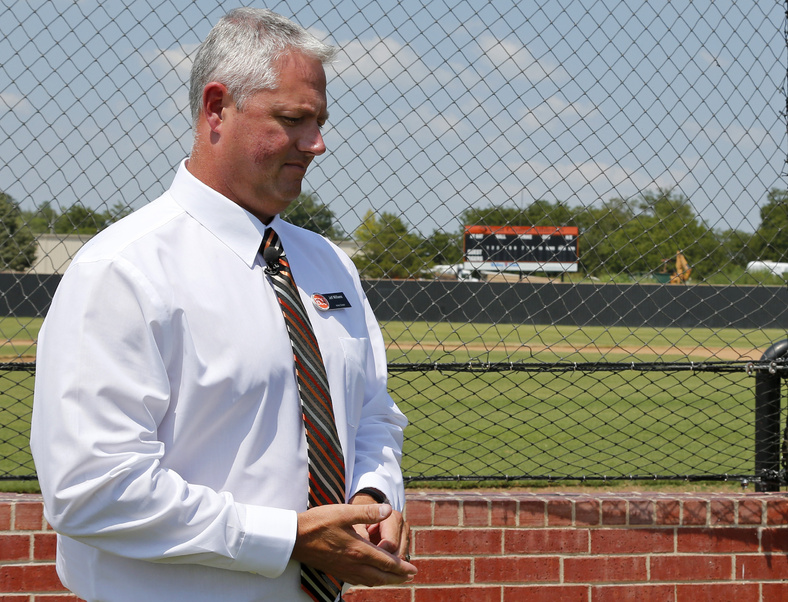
{"x": 312, "y": 142}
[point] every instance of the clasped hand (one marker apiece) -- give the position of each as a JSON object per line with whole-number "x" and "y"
{"x": 360, "y": 543}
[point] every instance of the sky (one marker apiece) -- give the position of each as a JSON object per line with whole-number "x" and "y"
{"x": 435, "y": 105}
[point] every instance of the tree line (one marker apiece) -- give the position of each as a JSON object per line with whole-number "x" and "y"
{"x": 619, "y": 237}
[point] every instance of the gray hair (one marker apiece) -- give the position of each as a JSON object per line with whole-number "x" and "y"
{"x": 242, "y": 50}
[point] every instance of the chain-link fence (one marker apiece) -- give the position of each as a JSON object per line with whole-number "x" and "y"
{"x": 571, "y": 216}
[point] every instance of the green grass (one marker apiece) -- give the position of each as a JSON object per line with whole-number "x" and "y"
{"x": 446, "y": 341}
{"x": 559, "y": 424}
{"x": 614, "y": 423}
{"x": 575, "y": 424}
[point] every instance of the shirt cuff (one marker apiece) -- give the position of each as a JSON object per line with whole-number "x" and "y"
{"x": 376, "y": 482}
{"x": 269, "y": 537}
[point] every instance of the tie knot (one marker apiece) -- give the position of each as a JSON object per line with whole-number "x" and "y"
{"x": 272, "y": 251}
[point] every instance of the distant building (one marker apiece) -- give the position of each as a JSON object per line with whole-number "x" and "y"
{"x": 777, "y": 268}
{"x": 55, "y": 251}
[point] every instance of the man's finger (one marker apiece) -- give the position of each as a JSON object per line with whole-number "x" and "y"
{"x": 367, "y": 514}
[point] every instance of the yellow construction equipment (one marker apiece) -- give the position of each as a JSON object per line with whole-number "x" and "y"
{"x": 683, "y": 270}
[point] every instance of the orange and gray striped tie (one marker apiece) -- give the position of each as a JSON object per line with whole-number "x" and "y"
{"x": 324, "y": 452}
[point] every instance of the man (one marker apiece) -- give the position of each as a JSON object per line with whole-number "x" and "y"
{"x": 168, "y": 431}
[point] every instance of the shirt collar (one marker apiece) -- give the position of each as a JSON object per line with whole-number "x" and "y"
{"x": 229, "y": 222}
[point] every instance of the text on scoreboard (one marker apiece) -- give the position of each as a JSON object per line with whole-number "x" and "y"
{"x": 521, "y": 248}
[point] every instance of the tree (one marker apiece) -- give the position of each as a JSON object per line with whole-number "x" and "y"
{"x": 640, "y": 235}
{"x": 17, "y": 244}
{"x": 309, "y": 212}
{"x": 771, "y": 238}
{"x": 388, "y": 250}
{"x": 538, "y": 213}
{"x": 443, "y": 248}
{"x": 78, "y": 219}
{"x": 42, "y": 220}
{"x": 602, "y": 242}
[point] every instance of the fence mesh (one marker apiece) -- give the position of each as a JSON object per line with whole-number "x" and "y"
{"x": 658, "y": 130}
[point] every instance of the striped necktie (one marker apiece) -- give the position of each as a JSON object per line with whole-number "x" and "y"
{"x": 326, "y": 463}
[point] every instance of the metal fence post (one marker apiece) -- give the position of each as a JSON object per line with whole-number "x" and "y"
{"x": 767, "y": 421}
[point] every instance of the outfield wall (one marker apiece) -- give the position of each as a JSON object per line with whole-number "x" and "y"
{"x": 525, "y": 547}
{"x": 631, "y": 305}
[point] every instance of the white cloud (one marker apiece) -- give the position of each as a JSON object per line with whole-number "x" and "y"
{"x": 172, "y": 61}
{"x": 512, "y": 60}
{"x": 16, "y": 103}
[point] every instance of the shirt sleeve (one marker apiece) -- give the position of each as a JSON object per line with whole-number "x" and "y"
{"x": 380, "y": 434}
{"x": 102, "y": 388}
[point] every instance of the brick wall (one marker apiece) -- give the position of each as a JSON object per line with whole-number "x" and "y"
{"x": 525, "y": 547}
{"x": 514, "y": 547}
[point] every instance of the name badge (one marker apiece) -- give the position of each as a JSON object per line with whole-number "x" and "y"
{"x": 329, "y": 301}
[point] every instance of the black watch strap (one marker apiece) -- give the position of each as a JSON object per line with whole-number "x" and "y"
{"x": 376, "y": 495}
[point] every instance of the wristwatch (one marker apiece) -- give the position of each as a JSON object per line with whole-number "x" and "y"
{"x": 375, "y": 494}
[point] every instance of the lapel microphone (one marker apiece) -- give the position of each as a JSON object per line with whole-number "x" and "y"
{"x": 271, "y": 257}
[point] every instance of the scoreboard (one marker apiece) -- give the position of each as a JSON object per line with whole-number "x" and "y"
{"x": 521, "y": 248}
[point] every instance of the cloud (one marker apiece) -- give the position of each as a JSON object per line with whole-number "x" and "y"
{"x": 512, "y": 60}
{"x": 177, "y": 61}
{"x": 379, "y": 61}
{"x": 16, "y": 103}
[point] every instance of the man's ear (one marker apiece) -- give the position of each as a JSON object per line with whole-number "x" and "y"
{"x": 215, "y": 99}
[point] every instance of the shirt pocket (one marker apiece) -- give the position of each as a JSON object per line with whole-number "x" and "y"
{"x": 355, "y": 353}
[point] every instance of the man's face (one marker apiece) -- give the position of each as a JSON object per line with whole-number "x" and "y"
{"x": 268, "y": 146}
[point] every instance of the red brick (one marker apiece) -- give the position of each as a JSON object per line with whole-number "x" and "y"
{"x": 44, "y": 546}
{"x": 476, "y": 513}
{"x": 777, "y": 512}
{"x": 587, "y": 512}
{"x": 389, "y": 594}
{"x": 29, "y": 516}
{"x": 545, "y": 541}
{"x": 20, "y": 598}
{"x": 774, "y": 539}
{"x": 5, "y": 516}
{"x": 641, "y": 512}
{"x": 722, "y": 512}
{"x": 516, "y": 569}
{"x": 447, "y": 513}
{"x": 718, "y": 592}
{"x": 472, "y": 542}
{"x": 419, "y": 513}
{"x": 545, "y": 593}
{"x": 29, "y": 578}
{"x": 503, "y": 513}
{"x": 632, "y": 593}
{"x": 668, "y": 512}
{"x": 14, "y": 547}
{"x": 443, "y": 570}
{"x": 614, "y": 512}
{"x": 559, "y": 513}
{"x": 59, "y": 598}
{"x": 762, "y": 567}
{"x": 691, "y": 568}
{"x": 718, "y": 540}
{"x": 775, "y": 591}
{"x": 457, "y": 594}
{"x": 632, "y": 541}
{"x": 750, "y": 512}
{"x": 532, "y": 513}
{"x": 591, "y": 569}
{"x": 694, "y": 512}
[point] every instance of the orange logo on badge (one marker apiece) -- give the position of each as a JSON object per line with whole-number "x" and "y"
{"x": 320, "y": 302}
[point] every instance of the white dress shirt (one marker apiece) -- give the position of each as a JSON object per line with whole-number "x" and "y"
{"x": 167, "y": 431}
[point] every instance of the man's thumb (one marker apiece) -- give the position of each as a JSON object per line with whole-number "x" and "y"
{"x": 374, "y": 513}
